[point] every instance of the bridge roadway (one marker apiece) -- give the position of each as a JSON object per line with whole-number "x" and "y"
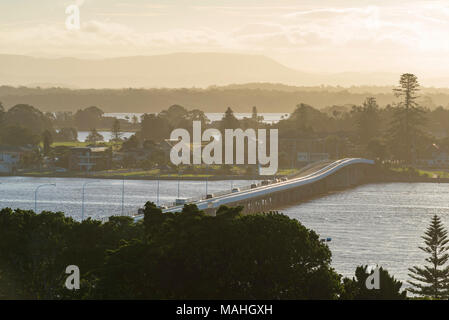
{"x": 261, "y": 197}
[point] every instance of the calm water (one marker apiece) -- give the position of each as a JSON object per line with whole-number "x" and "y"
{"x": 102, "y": 197}
{"x": 268, "y": 117}
{"x": 107, "y": 135}
{"x": 376, "y": 224}
{"x": 371, "y": 224}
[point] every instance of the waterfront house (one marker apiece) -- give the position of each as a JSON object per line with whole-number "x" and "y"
{"x": 434, "y": 157}
{"x": 90, "y": 159}
{"x": 11, "y": 157}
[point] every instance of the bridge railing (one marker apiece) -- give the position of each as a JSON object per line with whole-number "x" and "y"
{"x": 199, "y": 198}
{"x": 264, "y": 189}
{"x": 300, "y": 181}
{"x": 226, "y": 193}
{"x": 215, "y": 194}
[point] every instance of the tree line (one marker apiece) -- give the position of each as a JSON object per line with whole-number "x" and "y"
{"x": 403, "y": 130}
{"x": 267, "y": 97}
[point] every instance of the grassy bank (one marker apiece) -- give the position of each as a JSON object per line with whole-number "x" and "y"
{"x": 409, "y": 174}
{"x": 156, "y": 174}
{"x": 426, "y": 173}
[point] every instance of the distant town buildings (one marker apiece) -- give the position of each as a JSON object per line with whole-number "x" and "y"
{"x": 435, "y": 157}
{"x": 309, "y": 157}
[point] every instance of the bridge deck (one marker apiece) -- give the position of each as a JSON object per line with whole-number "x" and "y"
{"x": 272, "y": 188}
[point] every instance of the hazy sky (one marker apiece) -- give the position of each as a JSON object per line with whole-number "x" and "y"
{"x": 309, "y": 35}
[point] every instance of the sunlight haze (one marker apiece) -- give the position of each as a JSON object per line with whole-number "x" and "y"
{"x": 310, "y": 36}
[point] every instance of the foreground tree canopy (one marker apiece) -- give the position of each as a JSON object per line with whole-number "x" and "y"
{"x": 355, "y": 288}
{"x": 167, "y": 256}
{"x": 186, "y": 255}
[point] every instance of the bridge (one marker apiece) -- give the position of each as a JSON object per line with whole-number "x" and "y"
{"x": 339, "y": 174}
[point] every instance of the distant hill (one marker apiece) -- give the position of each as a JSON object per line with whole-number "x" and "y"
{"x": 171, "y": 70}
{"x": 209, "y": 81}
{"x": 176, "y": 70}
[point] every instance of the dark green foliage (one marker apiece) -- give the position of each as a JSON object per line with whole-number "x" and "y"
{"x": 17, "y": 136}
{"x": 153, "y": 218}
{"x": 130, "y": 143}
{"x": 35, "y": 249}
{"x": 433, "y": 280}
{"x": 268, "y": 97}
{"x": 308, "y": 119}
{"x": 47, "y": 140}
{"x": 66, "y": 134}
{"x": 229, "y": 121}
{"x": 376, "y": 149}
{"x": 2, "y": 112}
{"x": 94, "y": 136}
{"x": 88, "y": 118}
{"x": 29, "y": 117}
{"x": 154, "y": 127}
{"x": 25, "y": 125}
{"x": 190, "y": 255}
{"x": 158, "y": 127}
{"x": 367, "y": 120}
{"x": 389, "y": 287}
{"x": 170, "y": 255}
{"x": 116, "y": 130}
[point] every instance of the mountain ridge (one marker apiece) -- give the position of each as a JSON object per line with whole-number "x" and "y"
{"x": 175, "y": 70}
{"x": 182, "y": 69}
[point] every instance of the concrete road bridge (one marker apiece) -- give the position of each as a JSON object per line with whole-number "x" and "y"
{"x": 315, "y": 180}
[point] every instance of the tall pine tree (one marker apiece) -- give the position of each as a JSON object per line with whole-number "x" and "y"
{"x": 405, "y": 128}
{"x": 229, "y": 121}
{"x": 116, "y": 131}
{"x": 433, "y": 280}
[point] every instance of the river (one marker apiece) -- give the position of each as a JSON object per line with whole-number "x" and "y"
{"x": 371, "y": 224}
{"x": 213, "y": 116}
{"x": 107, "y": 135}
{"x": 103, "y": 197}
{"x": 376, "y": 224}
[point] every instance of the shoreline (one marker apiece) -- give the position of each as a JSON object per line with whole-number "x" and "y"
{"x": 382, "y": 179}
{"x": 410, "y": 180}
{"x": 175, "y": 177}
